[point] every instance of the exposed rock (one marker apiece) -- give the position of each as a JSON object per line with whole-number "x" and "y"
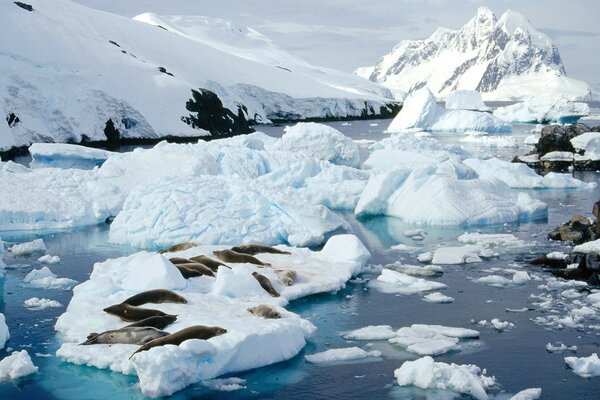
{"x": 578, "y": 230}
{"x": 12, "y": 120}
{"x": 24, "y": 6}
{"x": 548, "y": 262}
{"x": 113, "y": 135}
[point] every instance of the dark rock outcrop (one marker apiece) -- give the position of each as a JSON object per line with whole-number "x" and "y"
{"x": 24, "y": 6}
{"x": 12, "y": 120}
{"x": 212, "y": 116}
{"x": 112, "y": 134}
{"x": 578, "y": 230}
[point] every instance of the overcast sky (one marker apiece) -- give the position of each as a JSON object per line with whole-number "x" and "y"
{"x": 346, "y": 34}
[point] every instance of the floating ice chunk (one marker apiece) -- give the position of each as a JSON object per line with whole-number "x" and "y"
{"x": 371, "y": 332}
{"x": 403, "y": 247}
{"x": 17, "y": 365}
{"x": 544, "y": 110}
{"x": 339, "y": 355}
{"x": 379, "y": 189}
{"x": 517, "y": 310}
{"x": 490, "y": 141}
{"x": 61, "y": 155}
{"x": 416, "y": 270}
{"x": 557, "y": 255}
{"x": 321, "y": 142}
{"x": 425, "y": 257}
{"x": 396, "y": 282}
{"x": 418, "y": 111}
{"x": 431, "y": 339}
{"x": 497, "y": 324}
{"x": 152, "y": 271}
{"x": 44, "y": 278}
{"x": 495, "y": 281}
{"x": 528, "y": 394}
{"x": 521, "y": 278}
{"x": 589, "y": 142}
{"x": 25, "y": 249}
{"x": 466, "y": 100}
{"x": 36, "y": 303}
{"x": 225, "y": 385}
{"x": 492, "y": 239}
{"x": 586, "y": 367}
{"x": 438, "y": 297}
{"x": 589, "y": 247}
{"x": 428, "y": 374}
{"x": 4, "y": 333}
{"x": 48, "y": 259}
{"x": 560, "y": 347}
{"x": 532, "y": 140}
{"x": 457, "y": 255}
{"x": 557, "y": 156}
{"x": 520, "y": 176}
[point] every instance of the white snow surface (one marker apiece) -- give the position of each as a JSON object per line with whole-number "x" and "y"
{"x": 37, "y": 304}
{"x": 428, "y": 374}
{"x": 17, "y": 365}
{"x": 250, "y": 342}
{"x": 4, "y": 333}
{"x": 343, "y": 354}
{"x": 589, "y": 142}
{"x": 586, "y": 367}
{"x": 420, "y": 111}
{"x": 543, "y": 110}
{"x": 27, "y": 248}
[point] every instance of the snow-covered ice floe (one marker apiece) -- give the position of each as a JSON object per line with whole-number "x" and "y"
{"x": 371, "y": 332}
{"x": 341, "y": 355}
{"x": 60, "y": 155}
{"x": 397, "y": 282}
{"x": 431, "y": 339}
{"x": 438, "y": 297}
{"x": 250, "y": 341}
{"x": 544, "y": 110}
{"x": 17, "y": 365}
{"x": 25, "y": 249}
{"x": 586, "y": 367}
{"x": 37, "y": 304}
{"x": 420, "y": 111}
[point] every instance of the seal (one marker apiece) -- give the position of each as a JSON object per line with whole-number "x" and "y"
{"x": 158, "y": 322}
{"x": 131, "y": 313}
{"x": 188, "y": 273}
{"x": 253, "y": 249}
{"x": 155, "y": 296}
{"x": 265, "y": 311}
{"x": 131, "y": 335}
{"x": 209, "y": 262}
{"x": 197, "y": 267}
{"x": 192, "y": 332}
{"x": 177, "y": 247}
{"x": 287, "y": 277}
{"x": 265, "y": 283}
{"x": 179, "y": 260}
{"x": 231, "y": 256}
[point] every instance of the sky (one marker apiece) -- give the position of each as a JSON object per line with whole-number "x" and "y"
{"x": 346, "y": 34}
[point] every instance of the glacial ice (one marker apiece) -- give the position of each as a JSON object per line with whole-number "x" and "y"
{"x": 17, "y": 365}
{"x": 60, "y": 155}
{"x": 426, "y": 373}
{"x": 4, "y": 333}
{"x": 420, "y": 111}
{"x": 25, "y": 249}
{"x": 249, "y": 343}
{"x": 497, "y": 324}
{"x": 586, "y": 367}
{"x": 44, "y": 278}
{"x": 543, "y": 110}
{"x": 344, "y": 354}
{"x": 457, "y": 255}
{"x": 466, "y": 100}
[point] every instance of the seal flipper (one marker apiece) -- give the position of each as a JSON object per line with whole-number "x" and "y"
{"x": 91, "y": 339}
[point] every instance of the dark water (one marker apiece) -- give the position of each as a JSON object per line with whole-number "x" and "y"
{"x": 517, "y": 358}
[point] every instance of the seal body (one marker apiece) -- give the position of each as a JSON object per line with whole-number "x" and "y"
{"x": 192, "y": 332}
{"x": 265, "y": 311}
{"x": 253, "y": 249}
{"x": 179, "y": 260}
{"x": 158, "y": 322}
{"x": 287, "y": 277}
{"x": 198, "y": 267}
{"x": 188, "y": 272}
{"x": 155, "y": 296}
{"x": 209, "y": 262}
{"x": 132, "y": 313}
{"x": 131, "y": 335}
{"x": 231, "y": 256}
{"x": 177, "y": 247}
{"x": 265, "y": 283}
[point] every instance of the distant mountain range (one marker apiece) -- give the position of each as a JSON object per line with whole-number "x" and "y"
{"x": 504, "y": 59}
{"x": 74, "y": 74}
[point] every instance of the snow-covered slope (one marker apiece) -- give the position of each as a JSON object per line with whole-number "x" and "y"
{"x": 68, "y": 69}
{"x": 504, "y": 59}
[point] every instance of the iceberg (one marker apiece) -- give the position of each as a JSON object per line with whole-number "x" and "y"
{"x": 17, "y": 365}
{"x": 4, "y": 333}
{"x": 586, "y": 367}
{"x": 44, "y": 278}
{"x": 28, "y": 248}
{"x": 421, "y": 112}
{"x": 466, "y": 100}
{"x": 544, "y": 110}
{"x": 345, "y": 354}
{"x": 60, "y": 155}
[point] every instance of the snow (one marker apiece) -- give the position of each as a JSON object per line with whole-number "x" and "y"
{"x": 250, "y": 342}
{"x": 466, "y": 100}
{"x": 44, "y": 278}
{"x": 428, "y": 374}
{"x": 345, "y": 248}
{"x": 28, "y": 248}
{"x": 557, "y": 156}
{"x": 152, "y": 271}
{"x": 557, "y": 255}
{"x": 589, "y": 142}
{"x": 438, "y": 297}
{"x": 17, "y": 365}
{"x": 520, "y": 176}
{"x": 396, "y": 282}
{"x": 586, "y": 367}
{"x": 4, "y": 333}
{"x": 588, "y": 247}
{"x": 491, "y": 240}
{"x": 321, "y": 142}
{"x": 457, "y": 255}
{"x": 528, "y": 394}
{"x": 37, "y": 304}
{"x": 371, "y": 332}
{"x": 345, "y": 354}
{"x": 420, "y": 111}
{"x": 48, "y": 259}
{"x": 59, "y": 155}
{"x": 543, "y": 110}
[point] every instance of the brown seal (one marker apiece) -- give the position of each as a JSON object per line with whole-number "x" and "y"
{"x": 131, "y": 313}
{"x": 209, "y": 262}
{"x": 129, "y": 335}
{"x": 177, "y": 247}
{"x": 188, "y": 272}
{"x": 265, "y": 311}
{"x": 158, "y": 322}
{"x": 231, "y": 256}
{"x": 197, "y": 267}
{"x": 155, "y": 296}
{"x": 287, "y": 277}
{"x": 265, "y": 283}
{"x": 192, "y": 332}
{"x": 253, "y": 249}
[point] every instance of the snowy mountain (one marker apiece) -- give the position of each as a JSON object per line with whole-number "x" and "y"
{"x": 72, "y": 74}
{"x": 504, "y": 59}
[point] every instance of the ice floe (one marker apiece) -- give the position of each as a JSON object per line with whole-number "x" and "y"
{"x": 416, "y": 270}
{"x": 48, "y": 259}
{"x": 37, "y": 304}
{"x": 250, "y": 342}
{"x": 230, "y": 384}
{"x": 457, "y": 255}
{"x": 428, "y": 374}
{"x": 28, "y": 248}
{"x": 431, "y": 339}
{"x": 44, "y": 278}
{"x": 390, "y": 281}
{"x": 586, "y": 367}
{"x": 528, "y": 394}
{"x": 543, "y": 110}
{"x": 339, "y": 355}
{"x": 4, "y": 333}
{"x": 17, "y": 365}
{"x": 497, "y": 324}
{"x": 438, "y": 297}
{"x": 371, "y": 332}
{"x": 61, "y": 155}
{"x": 560, "y": 347}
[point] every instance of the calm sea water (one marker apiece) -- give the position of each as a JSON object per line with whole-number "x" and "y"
{"x": 517, "y": 358}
